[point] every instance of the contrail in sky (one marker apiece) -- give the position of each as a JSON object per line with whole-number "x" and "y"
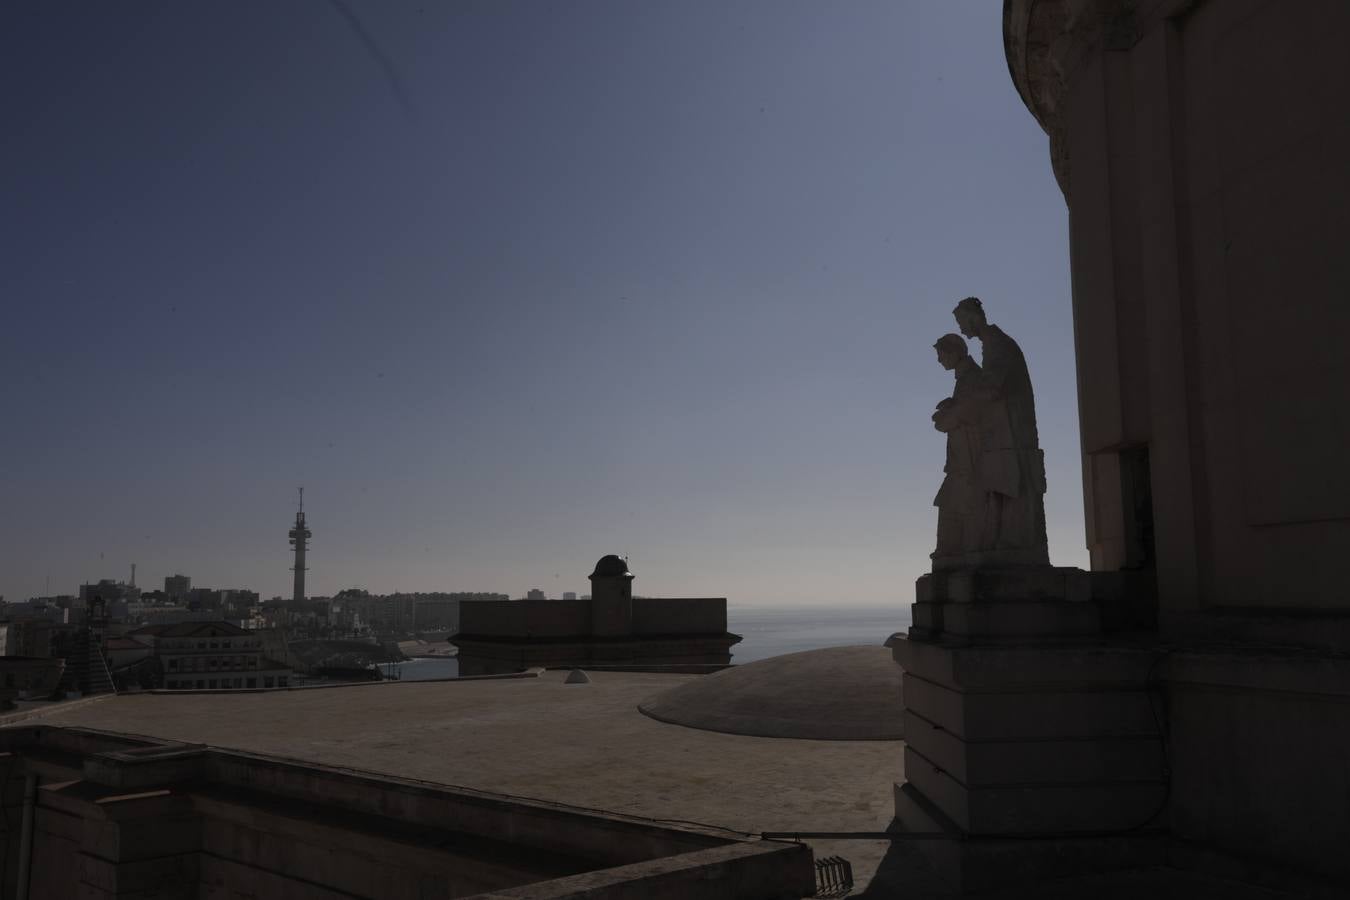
{"x": 395, "y": 82}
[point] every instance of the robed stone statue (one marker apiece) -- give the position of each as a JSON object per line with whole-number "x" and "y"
{"x": 960, "y": 500}
{"x": 991, "y": 507}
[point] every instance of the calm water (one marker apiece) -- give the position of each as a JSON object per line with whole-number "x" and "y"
{"x": 771, "y": 632}
{"x": 765, "y": 632}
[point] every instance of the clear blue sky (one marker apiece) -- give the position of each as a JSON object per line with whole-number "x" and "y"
{"x": 508, "y": 286}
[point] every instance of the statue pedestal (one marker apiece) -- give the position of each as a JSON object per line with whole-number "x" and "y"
{"x": 1029, "y": 740}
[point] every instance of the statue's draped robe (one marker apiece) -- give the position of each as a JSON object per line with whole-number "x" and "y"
{"x": 1012, "y": 467}
{"x": 960, "y": 500}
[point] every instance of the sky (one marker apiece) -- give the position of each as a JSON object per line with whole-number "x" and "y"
{"x": 508, "y": 286}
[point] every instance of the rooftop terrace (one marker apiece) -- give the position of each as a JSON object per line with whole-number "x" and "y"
{"x": 588, "y": 746}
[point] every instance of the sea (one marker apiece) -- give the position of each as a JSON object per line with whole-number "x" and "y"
{"x": 773, "y": 631}
{"x": 764, "y": 631}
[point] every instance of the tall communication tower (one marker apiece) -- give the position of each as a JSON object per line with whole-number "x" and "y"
{"x": 300, "y": 536}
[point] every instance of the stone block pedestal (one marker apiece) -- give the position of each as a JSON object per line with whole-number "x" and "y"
{"x": 1030, "y": 740}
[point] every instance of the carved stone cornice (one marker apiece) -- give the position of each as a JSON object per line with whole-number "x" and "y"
{"x": 1047, "y": 41}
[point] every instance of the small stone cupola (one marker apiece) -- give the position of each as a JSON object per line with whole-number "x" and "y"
{"x": 611, "y": 597}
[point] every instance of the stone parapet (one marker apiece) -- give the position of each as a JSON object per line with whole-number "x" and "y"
{"x": 142, "y": 818}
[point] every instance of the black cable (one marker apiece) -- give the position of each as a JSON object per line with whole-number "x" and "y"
{"x": 1163, "y": 743}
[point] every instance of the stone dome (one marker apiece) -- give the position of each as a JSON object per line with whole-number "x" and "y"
{"x": 832, "y": 694}
{"x": 610, "y": 566}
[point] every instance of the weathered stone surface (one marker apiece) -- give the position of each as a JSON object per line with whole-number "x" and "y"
{"x": 926, "y": 617}
{"x": 997, "y": 864}
{"x": 1031, "y": 715}
{"x": 1021, "y": 620}
{"x": 1258, "y": 754}
{"x": 1022, "y": 724}
{"x": 1017, "y": 583}
{"x": 836, "y": 694}
{"x": 986, "y": 763}
{"x": 1027, "y": 666}
{"x": 1032, "y": 809}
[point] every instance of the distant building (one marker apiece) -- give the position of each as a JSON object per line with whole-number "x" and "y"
{"x": 114, "y": 595}
{"x": 24, "y": 678}
{"x": 37, "y": 609}
{"x": 249, "y": 620}
{"x": 400, "y": 614}
{"x": 211, "y": 656}
{"x": 177, "y": 587}
{"x": 123, "y": 651}
{"x": 346, "y": 616}
{"x": 436, "y": 614}
{"x": 111, "y": 591}
{"x": 393, "y": 614}
{"x": 155, "y": 614}
{"x": 613, "y": 628}
{"x": 27, "y": 637}
{"x": 569, "y": 595}
{"x": 535, "y": 594}
{"x": 61, "y": 601}
{"x": 203, "y": 598}
{"x": 235, "y": 597}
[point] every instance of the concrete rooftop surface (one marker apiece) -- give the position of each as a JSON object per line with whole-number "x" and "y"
{"x": 580, "y": 744}
{"x": 583, "y": 745}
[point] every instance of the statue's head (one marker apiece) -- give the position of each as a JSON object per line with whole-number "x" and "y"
{"x": 970, "y": 316}
{"x": 951, "y": 349}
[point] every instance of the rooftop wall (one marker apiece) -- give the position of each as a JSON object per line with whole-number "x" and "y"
{"x": 526, "y": 618}
{"x": 572, "y": 618}
{"x": 155, "y": 817}
{"x": 679, "y": 615}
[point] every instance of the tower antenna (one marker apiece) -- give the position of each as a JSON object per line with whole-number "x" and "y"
{"x": 300, "y": 535}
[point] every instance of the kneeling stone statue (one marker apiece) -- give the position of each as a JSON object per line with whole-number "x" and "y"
{"x": 991, "y": 507}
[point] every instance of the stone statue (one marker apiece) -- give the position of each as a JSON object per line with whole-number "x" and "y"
{"x": 960, "y": 500}
{"x": 1002, "y": 516}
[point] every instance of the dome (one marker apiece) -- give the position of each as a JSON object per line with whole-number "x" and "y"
{"x": 610, "y": 566}
{"x": 832, "y": 694}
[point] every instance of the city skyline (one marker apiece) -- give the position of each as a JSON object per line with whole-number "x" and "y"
{"x": 520, "y": 287}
